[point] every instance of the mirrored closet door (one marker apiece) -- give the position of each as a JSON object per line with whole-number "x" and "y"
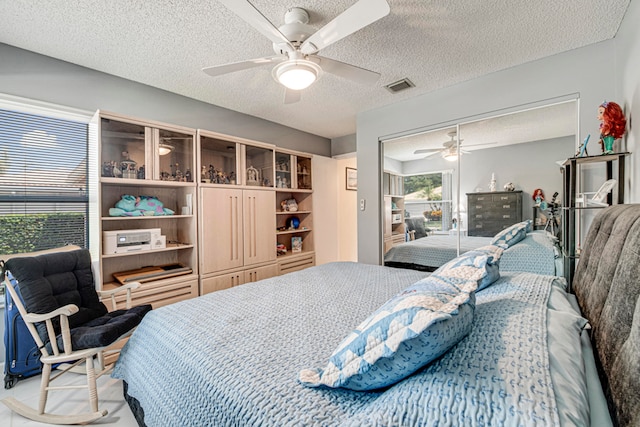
{"x": 446, "y": 179}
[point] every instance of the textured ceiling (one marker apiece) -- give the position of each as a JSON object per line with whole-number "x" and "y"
{"x": 166, "y": 43}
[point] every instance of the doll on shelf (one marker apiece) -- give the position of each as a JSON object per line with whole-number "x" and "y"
{"x": 612, "y": 125}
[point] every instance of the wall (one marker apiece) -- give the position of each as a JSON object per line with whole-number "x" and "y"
{"x": 347, "y": 212}
{"x": 30, "y": 75}
{"x": 345, "y": 145}
{"x": 628, "y": 78}
{"x": 326, "y": 178}
{"x": 584, "y": 73}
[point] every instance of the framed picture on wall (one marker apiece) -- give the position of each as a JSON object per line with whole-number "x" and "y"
{"x": 352, "y": 178}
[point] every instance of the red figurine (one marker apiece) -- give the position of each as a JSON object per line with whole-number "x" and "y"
{"x": 612, "y": 125}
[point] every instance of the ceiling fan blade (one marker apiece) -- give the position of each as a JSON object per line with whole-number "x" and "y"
{"x": 479, "y": 145}
{"x": 257, "y": 20}
{"x": 427, "y": 150}
{"x": 346, "y": 71}
{"x": 292, "y": 96}
{"x": 358, "y": 16}
{"x": 218, "y": 70}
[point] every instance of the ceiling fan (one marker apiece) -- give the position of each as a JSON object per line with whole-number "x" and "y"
{"x": 165, "y": 146}
{"x": 449, "y": 150}
{"x": 296, "y": 45}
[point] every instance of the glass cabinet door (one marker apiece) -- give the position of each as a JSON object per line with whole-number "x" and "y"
{"x": 175, "y": 156}
{"x": 123, "y": 149}
{"x": 303, "y": 169}
{"x": 259, "y": 166}
{"x": 219, "y": 161}
{"x": 283, "y": 170}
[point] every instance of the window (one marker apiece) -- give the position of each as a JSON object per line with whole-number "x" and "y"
{"x": 430, "y": 196}
{"x": 43, "y": 181}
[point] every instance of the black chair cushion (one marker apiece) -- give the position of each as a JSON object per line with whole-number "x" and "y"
{"x": 106, "y": 330}
{"x": 50, "y": 281}
{"x": 416, "y": 224}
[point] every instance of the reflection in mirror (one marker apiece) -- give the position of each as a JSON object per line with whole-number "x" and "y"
{"x": 430, "y": 177}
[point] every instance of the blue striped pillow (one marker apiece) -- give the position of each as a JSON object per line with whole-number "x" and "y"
{"x": 512, "y": 235}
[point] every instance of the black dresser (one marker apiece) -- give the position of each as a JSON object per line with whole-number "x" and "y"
{"x": 492, "y": 212}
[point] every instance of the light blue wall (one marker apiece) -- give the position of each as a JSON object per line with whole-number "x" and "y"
{"x": 628, "y": 79}
{"x": 584, "y": 73}
{"x": 30, "y": 75}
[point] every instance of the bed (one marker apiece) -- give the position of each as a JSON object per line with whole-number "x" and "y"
{"x": 537, "y": 253}
{"x": 236, "y": 357}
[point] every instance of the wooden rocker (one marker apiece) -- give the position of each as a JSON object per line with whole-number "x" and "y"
{"x": 56, "y": 296}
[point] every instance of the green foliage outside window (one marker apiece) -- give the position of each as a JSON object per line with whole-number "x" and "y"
{"x": 36, "y": 232}
{"x": 425, "y": 184}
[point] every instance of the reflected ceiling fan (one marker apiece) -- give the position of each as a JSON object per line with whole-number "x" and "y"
{"x": 296, "y": 45}
{"x": 164, "y": 147}
{"x": 449, "y": 151}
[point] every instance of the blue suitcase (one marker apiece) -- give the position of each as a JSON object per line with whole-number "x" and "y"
{"x": 22, "y": 357}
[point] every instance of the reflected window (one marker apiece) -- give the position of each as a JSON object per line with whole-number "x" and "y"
{"x": 430, "y": 196}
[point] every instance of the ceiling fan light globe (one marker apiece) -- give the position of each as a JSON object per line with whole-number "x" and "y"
{"x": 296, "y": 74}
{"x": 164, "y": 149}
{"x": 450, "y": 156}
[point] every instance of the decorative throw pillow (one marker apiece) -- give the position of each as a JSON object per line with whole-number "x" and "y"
{"x": 406, "y": 333}
{"x": 481, "y": 265}
{"x": 512, "y": 235}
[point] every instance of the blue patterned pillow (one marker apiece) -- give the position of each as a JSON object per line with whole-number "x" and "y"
{"x": 481, "y": 265}
{"x": 406, "y": 333}
{"x": 512, "y": 235}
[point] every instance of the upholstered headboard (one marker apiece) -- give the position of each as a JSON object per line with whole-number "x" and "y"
{"x": 607, "y": 286}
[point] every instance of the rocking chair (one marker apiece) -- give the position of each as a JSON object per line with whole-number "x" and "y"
{"x": 68, "y": 322}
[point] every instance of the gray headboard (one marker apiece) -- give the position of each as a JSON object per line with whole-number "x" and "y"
{"x": 607, "y": 286}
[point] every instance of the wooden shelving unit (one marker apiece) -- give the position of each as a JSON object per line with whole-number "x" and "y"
{"x": 130, "y": 163}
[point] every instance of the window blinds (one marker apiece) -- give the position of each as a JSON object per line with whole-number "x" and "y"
{"x": 43, "y": 182}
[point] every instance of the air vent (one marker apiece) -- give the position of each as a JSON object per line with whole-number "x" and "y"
{"x": 399, "y": 85}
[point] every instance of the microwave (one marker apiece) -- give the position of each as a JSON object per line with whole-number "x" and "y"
{"x": 396, "y": 218}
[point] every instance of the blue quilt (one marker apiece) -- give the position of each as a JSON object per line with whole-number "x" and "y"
{"x": 433, "y": 250}
{"x": 232, "y": 357}
{"x": 536, "y": 253}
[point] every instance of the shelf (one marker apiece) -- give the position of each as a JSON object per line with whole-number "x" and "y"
{"x": 293, "y": 212}
{"x": 571, "y": 208}
{"x": 574, "y": 223}
{"x": 170, "y": 247}
{"x": 144, "y": 217}
{"x": 182, "y": 278}
{"x": 290, "y": 254}
{"x": 293, "y": 190}
{"x": 595, "y": 159}
{"x": 299, "y": 230}
{"x": 145, "y": 182}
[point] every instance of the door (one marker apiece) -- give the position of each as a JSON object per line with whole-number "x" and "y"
{"x": 221, "y": 235}
{"x": 259, "y": 226}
